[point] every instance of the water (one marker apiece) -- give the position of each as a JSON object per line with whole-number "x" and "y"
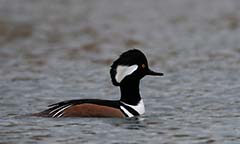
{"x": 59, "y": 50}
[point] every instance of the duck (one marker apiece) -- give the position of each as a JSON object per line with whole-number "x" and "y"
{"x": 126, "y": 73}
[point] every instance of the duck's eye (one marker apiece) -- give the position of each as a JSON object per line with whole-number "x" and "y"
{"x": 143, "y": 65}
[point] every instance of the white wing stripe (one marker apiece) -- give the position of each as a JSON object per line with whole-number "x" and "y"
{"x": 60, "y": 115}
{"x": 61, "y": 111}
{"x": 57, "y": 109}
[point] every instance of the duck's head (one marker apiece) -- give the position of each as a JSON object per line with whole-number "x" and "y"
{"x": 131, "y": 65}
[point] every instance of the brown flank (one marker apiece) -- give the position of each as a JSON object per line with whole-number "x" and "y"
{"x": 92, "y": 110}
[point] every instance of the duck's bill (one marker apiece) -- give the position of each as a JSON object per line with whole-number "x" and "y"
{"x": 153, "y": 73}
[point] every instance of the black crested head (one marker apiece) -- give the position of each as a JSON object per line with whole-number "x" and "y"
{"x": 130, "y": 57}
{"x": 132, "y": 62}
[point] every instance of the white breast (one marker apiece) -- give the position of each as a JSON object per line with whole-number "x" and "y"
{"x": 140, "y": 108}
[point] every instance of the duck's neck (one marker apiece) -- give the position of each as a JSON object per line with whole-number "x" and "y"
{"x": 130, "y": 92}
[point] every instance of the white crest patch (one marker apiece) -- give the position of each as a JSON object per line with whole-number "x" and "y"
{"x": 123, "y": 71}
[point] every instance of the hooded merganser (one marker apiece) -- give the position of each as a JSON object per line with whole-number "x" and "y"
{"x": 126, "y": 72}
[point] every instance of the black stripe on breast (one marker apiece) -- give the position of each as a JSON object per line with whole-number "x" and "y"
{"x": 123, "y": 113}
{"x": 129, "y": 109}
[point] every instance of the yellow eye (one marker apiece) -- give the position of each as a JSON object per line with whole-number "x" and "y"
{"x": 143, "y": 65}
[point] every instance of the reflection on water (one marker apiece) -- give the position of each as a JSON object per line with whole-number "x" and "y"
{"x": 58, "y": 50}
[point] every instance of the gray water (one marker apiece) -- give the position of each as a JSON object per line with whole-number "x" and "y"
{"x": 58, "y": 50}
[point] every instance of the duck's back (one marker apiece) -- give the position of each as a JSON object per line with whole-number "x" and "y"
{"x": 83, "y": 108}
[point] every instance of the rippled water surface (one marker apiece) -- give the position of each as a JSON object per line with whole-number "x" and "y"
{"x": 59, "y": 50}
